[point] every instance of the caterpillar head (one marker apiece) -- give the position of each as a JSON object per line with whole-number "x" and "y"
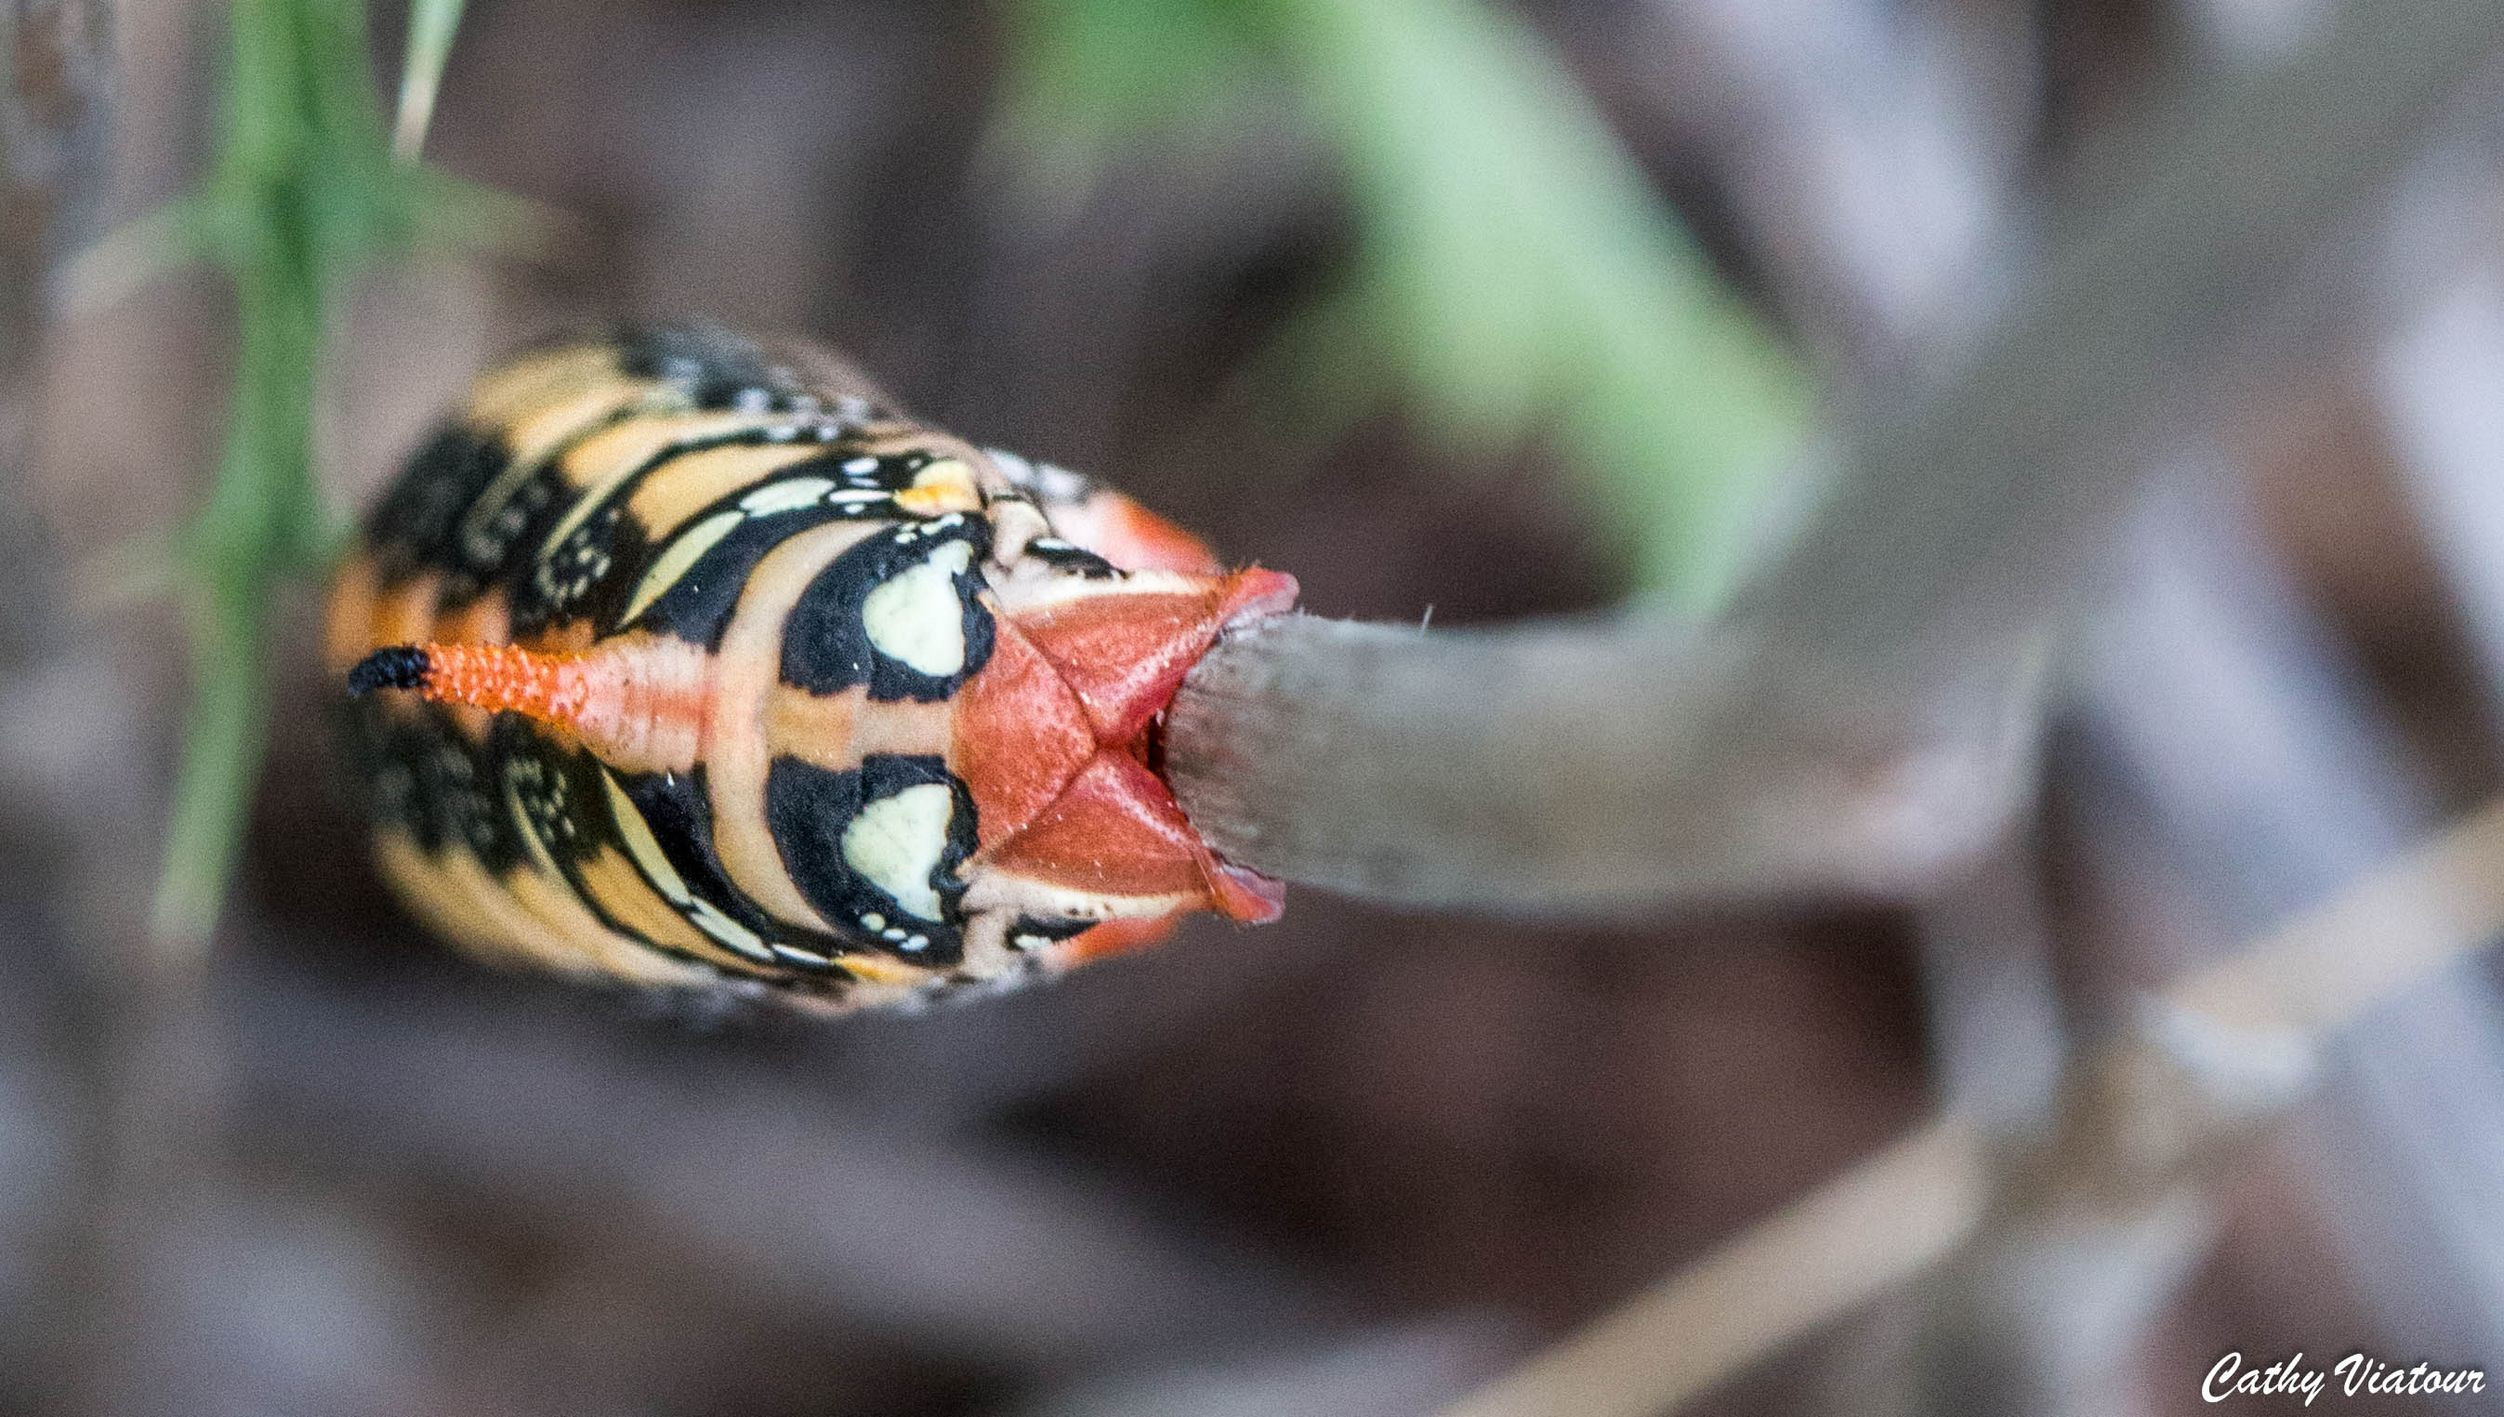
{"x": 1057, "y": 740}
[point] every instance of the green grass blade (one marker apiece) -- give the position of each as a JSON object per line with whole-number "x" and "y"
{"x": 306, "y": 194}
{"x": 432, "y": 23}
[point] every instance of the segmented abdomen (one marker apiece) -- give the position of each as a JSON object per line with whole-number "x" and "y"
{"x": 695, "y": 498}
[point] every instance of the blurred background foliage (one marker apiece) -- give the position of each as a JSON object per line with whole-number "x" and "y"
{"x": 1513, "y": 273}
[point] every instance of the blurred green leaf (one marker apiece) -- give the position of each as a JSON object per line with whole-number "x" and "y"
{"x": 1514, "y": 275}
{"x": 1090, "y": 73}
{"x": 432, "y": 24}
{"x": 304, "y": 195}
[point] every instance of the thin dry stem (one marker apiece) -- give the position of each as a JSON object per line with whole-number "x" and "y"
{"x": 1877, "y": 1226}
{"x": 2125, "y": 1142}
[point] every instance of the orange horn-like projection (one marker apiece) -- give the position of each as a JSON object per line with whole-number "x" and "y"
{"x": 636, "y": 701}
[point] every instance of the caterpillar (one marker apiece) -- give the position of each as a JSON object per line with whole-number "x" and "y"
{"x": 682, "y": 659}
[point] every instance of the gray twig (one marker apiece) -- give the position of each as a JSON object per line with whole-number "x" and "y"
{"x": 1853, "y": 723}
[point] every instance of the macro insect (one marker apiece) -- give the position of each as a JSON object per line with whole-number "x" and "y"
{"x": 684, "y": 660}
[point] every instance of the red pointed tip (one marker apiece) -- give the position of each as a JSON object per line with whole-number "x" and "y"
{"x": 1134, "y": 538}
{"x": 1119, "y": 937}
{"x": 1254, "y": 594}
{"x": 1245, "y": 895}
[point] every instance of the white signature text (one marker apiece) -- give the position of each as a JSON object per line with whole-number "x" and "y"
{"x": 2353, "y": 1376}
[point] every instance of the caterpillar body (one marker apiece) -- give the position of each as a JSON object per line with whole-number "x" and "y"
{"x": 686, "y": 660}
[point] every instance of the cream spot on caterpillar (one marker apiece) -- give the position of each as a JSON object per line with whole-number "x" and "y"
{"x": 788, "y": 495}
{"x": 916, "y": 617}
{"x": 895, "y": 844}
